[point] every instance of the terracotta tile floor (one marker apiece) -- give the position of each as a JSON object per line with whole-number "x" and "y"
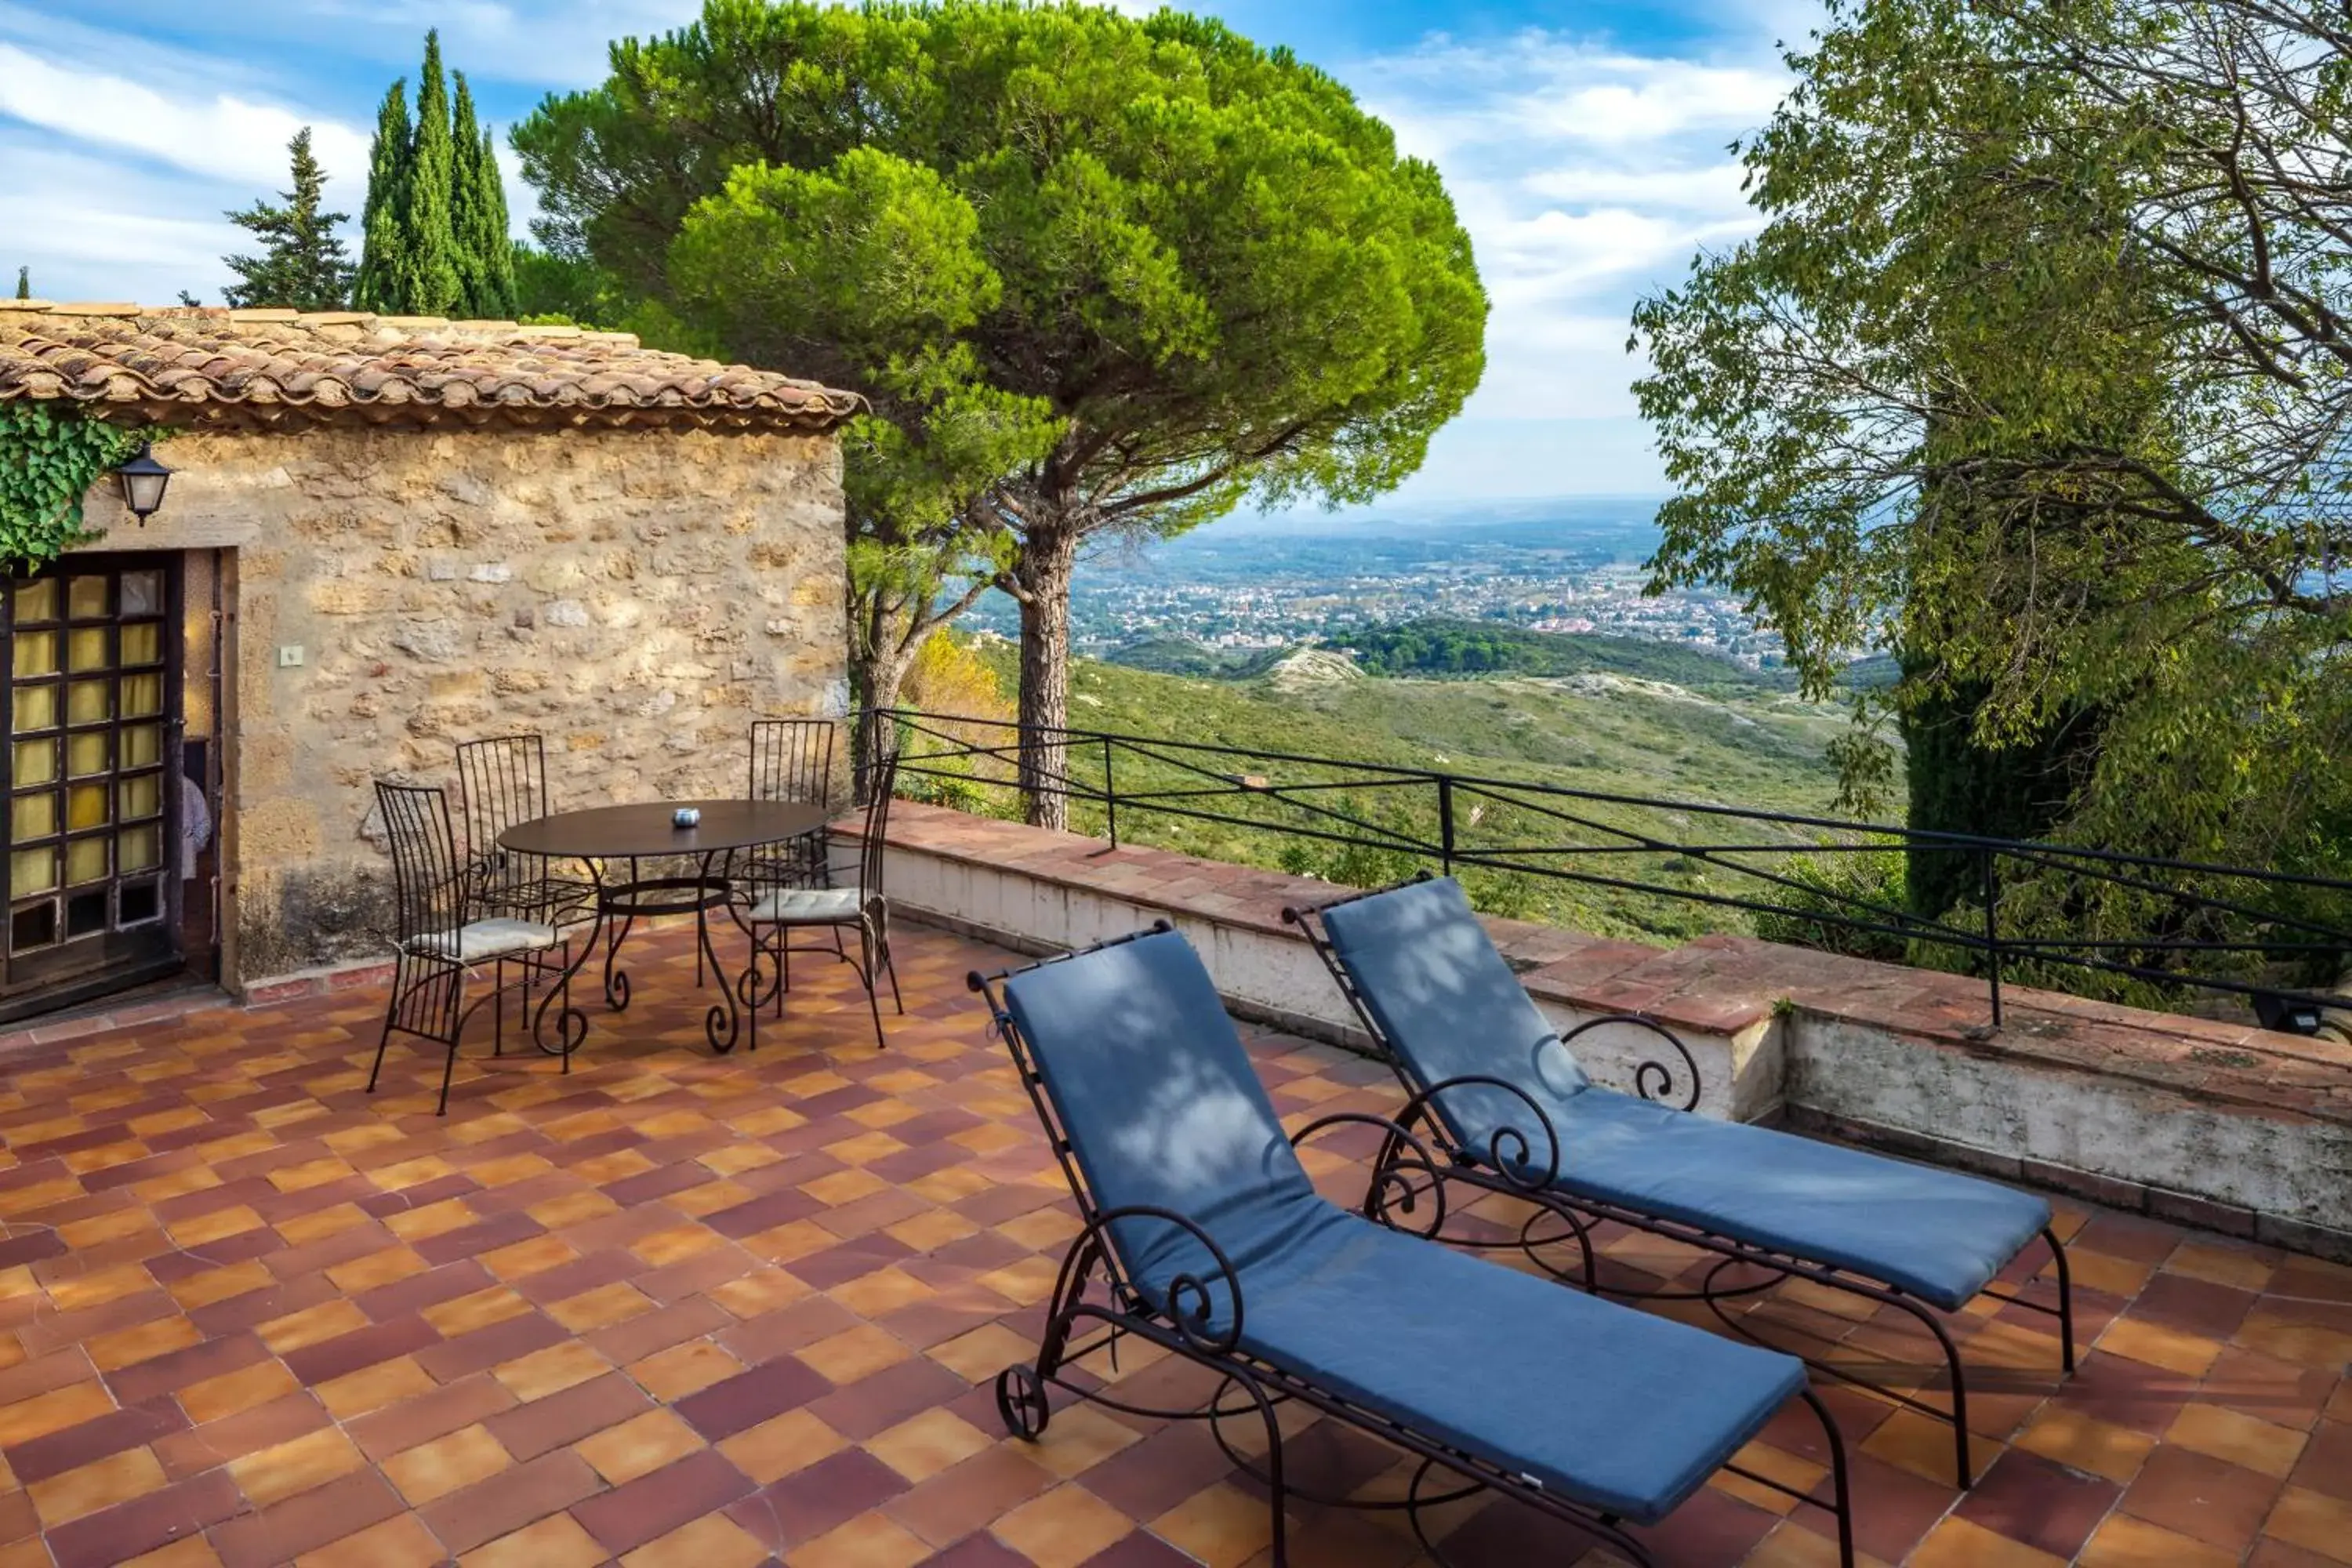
{"x": 679, "y": 1309}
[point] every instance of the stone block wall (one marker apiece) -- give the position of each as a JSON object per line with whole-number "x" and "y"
{"x": 637, "y": 595}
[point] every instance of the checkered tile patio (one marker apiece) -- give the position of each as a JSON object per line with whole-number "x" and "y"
{"x": 715, "y": 1312}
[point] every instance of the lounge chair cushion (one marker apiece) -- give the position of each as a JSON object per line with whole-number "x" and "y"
{"x": 1428, "y": 971}
{"x": 1617, "y": 1410}
{"x": 1935, "y": 1233}
{"x": 1613, "y": 1408}
{"x": 1413, "y": 955}
{"x": 1162, "y": 1106}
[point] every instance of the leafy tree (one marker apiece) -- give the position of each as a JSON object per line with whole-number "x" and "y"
{"x": 552, "y": 287}
{"x": 1160, "y": 271}
{"x": 376, "y": 285}
{"x": 303, "y": 265}
{"x": 2040, "y": 368}
{"x": 870, "y": 267}
{"x": 477, "y": 203}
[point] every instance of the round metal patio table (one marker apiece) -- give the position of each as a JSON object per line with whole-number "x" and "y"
{"x": 609, "y": 838}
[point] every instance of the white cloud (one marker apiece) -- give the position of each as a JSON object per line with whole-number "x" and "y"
{"x": 538, "y": 42}
{"x": 1713, "y": 188}
{"x": 155, "y": 234}
{"x": 1587, "y": 175}
{"x": 1644, "y": 100}
{"x": 218, "y": 135}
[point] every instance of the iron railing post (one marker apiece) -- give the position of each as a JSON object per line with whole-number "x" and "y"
{"x": 1110, "y": 794}
{"x": 1992, "y": 927}
{"x": 1445, "y": 822}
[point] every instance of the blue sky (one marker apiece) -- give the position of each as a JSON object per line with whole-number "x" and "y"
{"x": 1584, "y": 143}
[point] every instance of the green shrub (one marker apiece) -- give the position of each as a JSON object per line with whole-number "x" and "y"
{"x": 1831, "y": 885}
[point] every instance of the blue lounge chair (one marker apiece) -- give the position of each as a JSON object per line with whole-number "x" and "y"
{"x": 1203, "y": 1236}
{"x": 1501, "y": 1095}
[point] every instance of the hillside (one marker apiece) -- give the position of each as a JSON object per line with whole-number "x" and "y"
{"x": 1435, "y": 648}
{"x": 1455, "y": 649}
{"x": 1743, "y": 745}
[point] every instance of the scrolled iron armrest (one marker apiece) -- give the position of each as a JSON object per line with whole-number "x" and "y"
{"x": 1388, "y": 1175}
{"x": 1192, "y": 1322}
{"x": 1654, "y": 1080}
{"x": 1509, "y": 1149}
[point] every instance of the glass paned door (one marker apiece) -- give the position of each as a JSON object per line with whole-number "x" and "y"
{"x": 89, "y": 706}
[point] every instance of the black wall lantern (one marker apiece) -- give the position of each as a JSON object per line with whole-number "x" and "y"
{"x": 144, "y": 483}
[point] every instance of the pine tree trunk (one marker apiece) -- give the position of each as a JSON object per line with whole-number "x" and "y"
{"x": 1048, "y": 557}
{"x": 880, "y": 655}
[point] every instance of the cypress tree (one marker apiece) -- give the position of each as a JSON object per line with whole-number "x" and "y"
{"x": 303, "y": 265}
{"x": 428, "y": 284}
{"x": 497, "y": 238}
{"x": 382, "y": 223}
{"x": 24, "y": 282}
{"x": 2024, "y": 789}
{"x": 477, "y": 203}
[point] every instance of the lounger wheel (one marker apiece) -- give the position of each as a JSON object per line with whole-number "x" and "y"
{"x": 1021, "y": 1401}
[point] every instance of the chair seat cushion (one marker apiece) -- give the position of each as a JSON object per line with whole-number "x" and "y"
{"x": 479, "y": 939}
{"x": 1619, "y": 1410}
{"x": 807, "y": 906}
{"x": 1936, "y": 1233}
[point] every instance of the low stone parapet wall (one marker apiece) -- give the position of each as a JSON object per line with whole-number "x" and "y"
{"x": 2205, "y": 1122}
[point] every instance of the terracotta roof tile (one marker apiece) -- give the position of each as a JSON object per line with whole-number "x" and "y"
{"x": 249, "y": 368}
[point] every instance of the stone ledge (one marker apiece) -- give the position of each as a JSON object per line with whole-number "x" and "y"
{"x": 2216, "y": 1125}
{"x": 2110, "y": 1192}
{"x": 1716, "y": 984}
{"x": 1593, "y": 973}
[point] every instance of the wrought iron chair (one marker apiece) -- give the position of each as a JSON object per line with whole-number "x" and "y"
{"x": 1201, "y": 1234}
{"x": 501, "y": 781}
{"x": 441, "y": 936}
{"x": 791, "y": 760}
{"x": 1487, "y": 1079}
{"x": 779, "y": 909}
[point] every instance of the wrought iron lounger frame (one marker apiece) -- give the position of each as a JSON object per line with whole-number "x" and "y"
{"x": 1654, "y": 1080}
{"x": 1094, "y": 1306}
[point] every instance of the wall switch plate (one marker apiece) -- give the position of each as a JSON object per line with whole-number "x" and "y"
{"x": 289, "y": 655}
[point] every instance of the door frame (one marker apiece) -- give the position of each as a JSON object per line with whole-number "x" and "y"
{"x": 80, "y": 969}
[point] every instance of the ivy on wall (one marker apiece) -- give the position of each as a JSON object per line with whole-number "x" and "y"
{"x": 50, "y": 455}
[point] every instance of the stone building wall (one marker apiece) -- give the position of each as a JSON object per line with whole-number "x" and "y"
{"x": 637, "y": 595}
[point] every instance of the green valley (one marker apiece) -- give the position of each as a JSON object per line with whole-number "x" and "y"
{"x": 1742, "y": 739}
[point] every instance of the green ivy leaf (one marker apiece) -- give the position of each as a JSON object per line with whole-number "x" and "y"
{"x": 50, "y": 457}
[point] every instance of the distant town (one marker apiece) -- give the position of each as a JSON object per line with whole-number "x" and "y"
{"x": 1559, "y": 566}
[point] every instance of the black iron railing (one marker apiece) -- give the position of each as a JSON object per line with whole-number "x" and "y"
{"x": 2055, "y": 915}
